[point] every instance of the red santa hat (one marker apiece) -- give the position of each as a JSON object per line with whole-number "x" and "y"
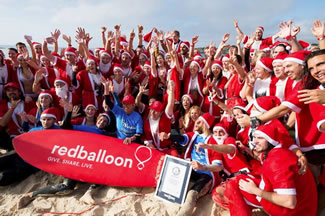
{"x": 189, "y": 96}
{"x": 90, "y": 105}
{"x": 218, "y": 64}
{"x": 221, "y": 126}
{"x": 47, "y": 93}
{"x": 287, "y": 46}
{"x": 91, "y": 59}
{"x": 298, "y": 57}
{"x": 105, "y": 52}
{"x": 185, "y": 43}
{"x": 91, "y": 53}
{"x": 50, "y": 112}
{"x": 97, "y": 49}
{"x": 265, "y": 48}
{"x": 268, "y": 132}
{"x": 64, "y": 80}
{"x": 43, "y": 57}
{"x": 117, "y": 67}
{"x": 55, "y": 54}
{"x": 260, "y": 28}
{"x": 19, "y": 55}
{"x": 138, "y": 68}
{"x": 266, "y": 63}
{"x": 280, "y": 57}
{"x": 304, "y": 44}
{"x": 207, "y": 119}
{"x": 123, "y": 41}
{"x": 71, "y": 51}
{"x": 12, "y": 85}
{"x": 126, "y": 53}
{"x": 225, "y": 57}
{"x": 157, "y": 106}
{"x": 197, "y": 57}
{"x": 36, "y": 44}
{"x": 145, "y": 54}
{"x": 128, "y": 99}
{"x": 147, "y": 37}
{"x": 147, "y": 64}
{"x": 197, "y": 63}
{"x": 266, "y": 103}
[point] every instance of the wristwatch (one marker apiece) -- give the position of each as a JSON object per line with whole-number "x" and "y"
{"x": 255, "y": 122}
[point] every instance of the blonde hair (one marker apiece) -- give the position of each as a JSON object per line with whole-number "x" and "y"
{"x": 187, "y": 116}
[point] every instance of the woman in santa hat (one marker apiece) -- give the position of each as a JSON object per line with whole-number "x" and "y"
{"x": 6, "y": 72}
{"x": 121, "y": 84}
{"x": 186, "y": 103}
{"x": 89, "y": 118}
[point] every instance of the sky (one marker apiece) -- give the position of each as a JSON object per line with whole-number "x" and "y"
{"x": 210, "y": 19}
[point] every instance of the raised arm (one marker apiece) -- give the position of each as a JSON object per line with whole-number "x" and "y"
{"x": 233, "y": 60}
{"x": 222, "y": 45}
{"x": 56, "y": 34}
{"x": 46, "y": 52}
{"x": 117, "y": 40}
{"x": 130, "y": 45}
{"x": 31, "y": 49}
{"x": 318, "y": 31}
{"x": 286, "y": 33}
{"x": 207, "y": 67}
{"x": 195, "y": 39}
{"x": 110, "y": 37}
{"x": 171, "y": 98}
{"x": 140, "y": 35}
{"x": 103, "y": 30}
{"x": 239, "y": 32}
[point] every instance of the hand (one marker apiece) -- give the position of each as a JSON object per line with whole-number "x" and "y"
{"x": 225, "y": 37}
{"x": 160, "y": 35}
{"x": 32, "y": 119}
{"x": 39, "y": 75}
{"x": 163, "y": 136}
{"x": 195, "y": 39}
{"x": 201, "y": 145}
{"x": 56, "y": 34}
{"x": 75, "y": 111}
{"x": 132, "y": 34}
{"x": 28, "y": 39}
{"x": 66, "y": 105}
{"x": 23, "y": 116}
{"x": 285, "y": 29}
{"x": 66, "y": 38}
{"x": 167, "y": 35}
{"x": 312, "y": 96}
{"x": 302, "y": 163}
{"x": 318, "y": 29}
{"x": 295, "y": 31}
{"x": 236, "y": 23}
{"x": 140, "y": 28}
{"x": 25, "y": 53}
{"x": 88, "y": 38}
{"x": 28, "y": 99}
{"x": 117, "y": 27}
{"x": 251, "y": 77}
{"x": 196, "y": 165}
{"x": 127, "y": 140}
{"x": 14, "y": 103}
{"x": 249, "y": 186}
{"x": 243, "y": 120}
{"x": 250, "y": 41}
{"x": 143, "y": 88}
{"x": 126, "y": 83}
{"x": 150, "y": 145}
{"x": 103, "y": 29}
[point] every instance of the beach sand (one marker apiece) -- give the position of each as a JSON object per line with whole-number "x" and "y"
{"x": 138, "y": 201}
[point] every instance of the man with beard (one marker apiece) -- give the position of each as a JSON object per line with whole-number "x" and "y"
{"x": 204, "y": 162}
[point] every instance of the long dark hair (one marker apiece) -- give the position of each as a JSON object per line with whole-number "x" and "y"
{"x": 309, "y": 82}
{"x": 269, "y": 148}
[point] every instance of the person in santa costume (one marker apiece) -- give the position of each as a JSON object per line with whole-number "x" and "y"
{"x": 10, "y": 107}
{"x": 6, "y": 72}
{"x": 121, "y": 84}
{"x": 193, "y": 81}
{"x": 69, "y": 65}
{"x": 89, "y": 118}
{"x": 159, "y": 120}
{"x": 261, "y": 82}
{"x": 89, "y": 84}
{"x": 186, "y": 103}
{"x": 204, "y": 161}
{"x": 281, "y": 191}
{"x": 281, "y": 75}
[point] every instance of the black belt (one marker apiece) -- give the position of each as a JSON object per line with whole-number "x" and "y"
{"x": 233, "y": 97}
{"x": 238, "y": 173}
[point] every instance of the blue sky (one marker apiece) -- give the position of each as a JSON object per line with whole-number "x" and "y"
{"x": 210, "y": 19}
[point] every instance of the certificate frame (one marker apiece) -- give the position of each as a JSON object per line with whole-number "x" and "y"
{"x": 174, "y": 170}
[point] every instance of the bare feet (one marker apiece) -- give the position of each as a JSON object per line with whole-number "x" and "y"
{"x": 24, "y": 200}
{"x": 88, "y": 198}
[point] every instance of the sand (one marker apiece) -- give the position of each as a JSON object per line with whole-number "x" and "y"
{"x": 138, "y": 201}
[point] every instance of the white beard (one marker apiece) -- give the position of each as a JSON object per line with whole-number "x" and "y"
{"x": 104, "y": 68}
{"x": 255, "y": 113}
{"x": 61, "y": 92}
{"x": 220, "y": 139}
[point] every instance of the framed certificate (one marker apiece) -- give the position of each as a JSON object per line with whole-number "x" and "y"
{"x": 174, "y": 179}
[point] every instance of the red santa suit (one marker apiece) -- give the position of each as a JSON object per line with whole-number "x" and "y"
{"x": 208, "y": 105}
{"x": 14, "y": 127}
{"x": 64, "y": 67}
{"x": 265, "y": 87}
{"x": 89, "y": 88}
{"x": 153, "y": 128}
{"x": 48, "y": 81}
{"x": 308, "y": 137}
{"x": 194, "y": 84}
{"x": 6, "y": 72}
{"x": 235, "y": 84}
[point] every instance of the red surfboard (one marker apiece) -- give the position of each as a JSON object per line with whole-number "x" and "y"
{"x": 91, "y": 157}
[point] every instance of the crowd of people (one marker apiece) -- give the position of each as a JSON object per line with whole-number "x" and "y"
{"x": 249, "y": 116}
